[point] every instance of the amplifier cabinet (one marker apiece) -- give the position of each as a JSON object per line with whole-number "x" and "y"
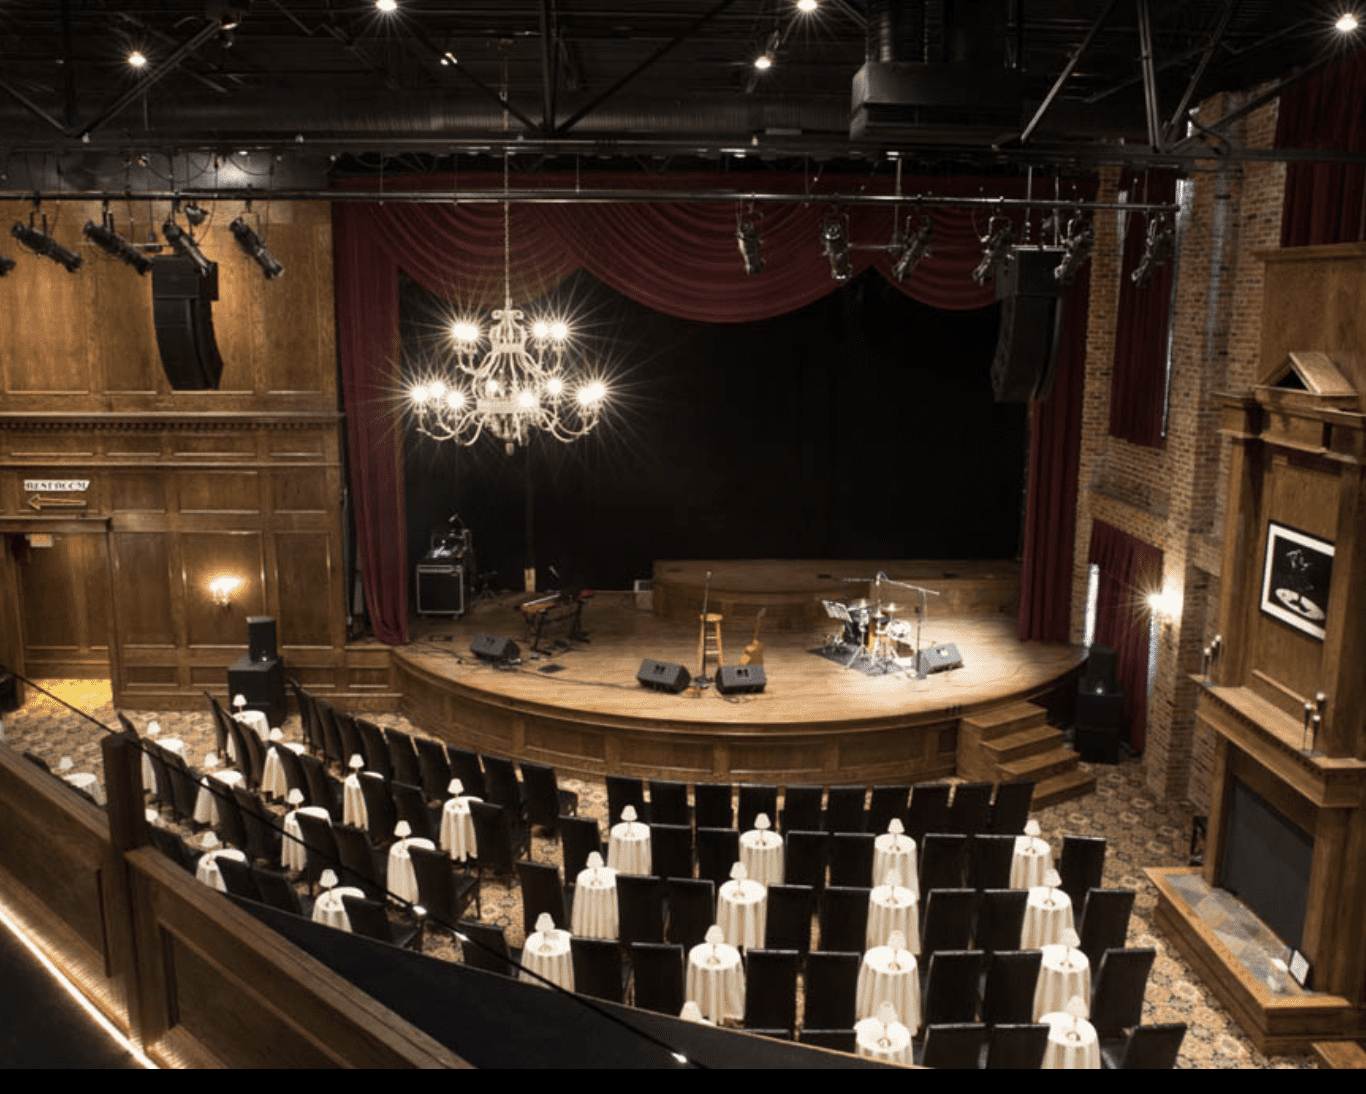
{"x": 440, "y": 588}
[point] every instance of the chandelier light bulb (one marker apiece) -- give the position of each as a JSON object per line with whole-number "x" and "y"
{"x": 540, "y": 329}
{"x": 418, "y": 393}
{"x": 559, "y": 331}
{"x": 526, "y": 400}
{"x": 464, "y": 331}
{"x": 556, "y": 386}
{"x": 455, "y": 398}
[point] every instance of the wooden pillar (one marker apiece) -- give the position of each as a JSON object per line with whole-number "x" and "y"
{"x": 127, "y": 831}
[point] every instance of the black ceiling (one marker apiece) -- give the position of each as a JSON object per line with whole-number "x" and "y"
{"x": 638, "y": 82}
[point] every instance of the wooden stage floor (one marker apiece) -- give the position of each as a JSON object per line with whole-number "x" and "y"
{"x": 815, "y": 721}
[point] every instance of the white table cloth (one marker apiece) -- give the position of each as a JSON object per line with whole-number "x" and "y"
{"x": 1048, "y": 913}
{"x": 329, "y": 909}
{"x": 293, "y": 856}
{"x": 889, "y": 976}
{"x": 716, "y": 981}
{"x": 206, "y": 801}
{"x": 742, "y": 912}
{"x": 893, "y": 910}
{"x": 896, "y": 852}
{"x": 761, "y": 850}
{"x": 89, "y": 782}
{"x": 256, "y": 720}
{"x": 402, "y": 880}
{"x": 273, "y": 781}
{"x": 206, "y": 869}
{"x": 353, "y": 802}
{"x": 1069, "y": 1047}
{"x": 1058, "y": 982}
{"x": 1033, "y": 859}
{"x": 629, "y": 849}
{"x": 548, "y": 955}
{"x": 887, "y": 1044}
{"x": 457, "y": 830}
{"x": 595, "y": 904}
{"x": 170, "y": 744}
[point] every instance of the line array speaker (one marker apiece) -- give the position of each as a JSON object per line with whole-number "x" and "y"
{"x": 182, "y": 312}
{"x": 494, "y": 647}
{"x": 1030, "y": 330}
{"x": 663, "y": 675}
{"x": 260, "y": 637}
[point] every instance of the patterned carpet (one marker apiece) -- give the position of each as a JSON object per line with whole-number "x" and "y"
{"x": 1140, "y": 832}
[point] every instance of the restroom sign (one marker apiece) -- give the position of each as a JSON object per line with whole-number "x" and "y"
{"x": 56, "y": 486}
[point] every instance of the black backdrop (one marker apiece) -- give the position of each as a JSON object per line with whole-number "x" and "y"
{"x": 860, "y": 426}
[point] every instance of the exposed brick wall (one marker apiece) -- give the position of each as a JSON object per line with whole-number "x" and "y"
{"x": 1173, "y": 497}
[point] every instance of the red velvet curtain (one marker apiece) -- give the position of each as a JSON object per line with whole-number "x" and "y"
{"x": 1051, "y": 513}
{"x": 1138, "y": 382}
{"x": 680, "y": 258}
{"x": 1323, "y": 201}
{"x": 1129, "y": 570}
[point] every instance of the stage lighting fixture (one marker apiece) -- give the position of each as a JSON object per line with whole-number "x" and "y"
{"x": 106, "y": 239}
{"x": 913, "y": 247}
{"x": 251, "y": 243}
{"x": 40, "y": 243}
{"x": 747, "y": 236}
{"x": 996, "y": 245}
{"x": 184, "y": 245}
{"x": 835, "y": 245}
{"x": 1157, "y": 249}
{"x": 1077, "y": 245}
{"x": 196, "y": 214}
{"x": 6, "y": 264}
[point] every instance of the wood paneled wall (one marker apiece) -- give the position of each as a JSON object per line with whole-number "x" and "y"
{"x": 183, "y": 486}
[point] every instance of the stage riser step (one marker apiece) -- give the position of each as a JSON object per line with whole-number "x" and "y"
{"x": 1056, "y": 761}
{"x": 990, "y": 725}
{"x": 1028, "y": 742}
{"x": 1064, "y": 787}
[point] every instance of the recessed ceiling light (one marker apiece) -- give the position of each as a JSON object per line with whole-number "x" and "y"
{"x": 1347, "y": 22}
{"x": 387, "y": 6}
{"x": 808, "y": 5}
{"x": 137, "y": 58}
{"x": 763, "y": 61}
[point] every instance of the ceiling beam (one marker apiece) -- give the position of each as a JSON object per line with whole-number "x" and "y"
{"x": 1064, "y": 75}
{"x": 1145, "y": 57}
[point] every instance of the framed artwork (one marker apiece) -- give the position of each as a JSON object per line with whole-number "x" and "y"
{"x": 1295, "y": 578}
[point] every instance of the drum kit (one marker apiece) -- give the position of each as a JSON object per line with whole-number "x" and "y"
{"x": 878, "y": 628}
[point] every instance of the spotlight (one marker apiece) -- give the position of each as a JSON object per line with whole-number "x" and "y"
{"x": 1346, "y": 23}
{"x": 1077, "y": 245}
{"x": 137, "y": 58}
{"x": 195, "y": 214}
{"x": 808, "y": 6}
{"x": 835, "y": 244}
{"x": 913, "y": 249}
{"x": 6, "y": 264}
{"x": 763, "y": 62}
{"x": 106, "y": 239}
{"x": 387, "y": 6}
{"x": 185, "y": 246}
{"x": 1157, "y": 249}
{"x": 251, "y": 243}
{"x": 747, "y": 236}
{"x": 40, "y": 243}
{"x": 996, "y": 245}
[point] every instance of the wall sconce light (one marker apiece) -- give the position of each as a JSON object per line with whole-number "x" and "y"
{"x": 222, "y": 588}
{"x": 1165, "y": 606}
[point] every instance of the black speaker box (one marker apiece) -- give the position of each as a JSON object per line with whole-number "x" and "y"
{"x": 9, "y": 692}
{"x": 1098, "y": 744}
{"x": 182, "y": 312}
{"x": 938, "y": 658}
{"x": 260, "y": 637}
{"x": 1101, "y": 663}
{"x": 262, "y": 684}
{"x": 740, "y": 679}
{"x": 662, "y": 675}
{"x": 494, "y": 647}
{"x": 1030, "y": 328}
{"x": 1100, "y": 710}
{"x": 440, "y": 589}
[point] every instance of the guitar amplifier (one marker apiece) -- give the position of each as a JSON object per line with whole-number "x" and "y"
{"x": 740, "y": 679}
{"x": 440, "y": 588}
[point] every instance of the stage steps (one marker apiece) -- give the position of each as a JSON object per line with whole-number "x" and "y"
{"x": 1015, "y": 741}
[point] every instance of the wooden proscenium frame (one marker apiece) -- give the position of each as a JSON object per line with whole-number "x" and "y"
{"x": 1298, "y": 462}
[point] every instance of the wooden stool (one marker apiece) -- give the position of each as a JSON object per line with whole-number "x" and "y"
{"x": 709, "y": 642}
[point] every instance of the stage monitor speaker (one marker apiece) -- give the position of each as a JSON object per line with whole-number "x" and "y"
{"x": 938, "y": 659}
{"x": 260, "y": 637}
{"x": 740, "y": 679}
{"x": 1030, "y": 328}
{"x": 182, "y": 312}
{"x": 440, "y": 589}
{"x": 662, "y": 675}
{"x": 494, "y": 647}
{"x": 1101, "y": 662}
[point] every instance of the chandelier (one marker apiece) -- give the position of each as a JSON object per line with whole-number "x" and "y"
{"x": 511, "y": 381}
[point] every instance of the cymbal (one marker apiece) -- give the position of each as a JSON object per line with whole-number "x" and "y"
{"x": 896, "y": 609}
{"x": 860, "y": 605}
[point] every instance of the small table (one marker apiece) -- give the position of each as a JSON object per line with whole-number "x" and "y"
{"x": 595, "y": 904}
{"x": 353, "y": 802}
{"x": 741, "y": 912}
{"x": 170, "y": 744}
{"x": 548, "y": 955}
{"x": 457, "y": 829}
{"x": 896, "y": 851}
{"x": 716, "y": 981}
{"x": 1059, "y": 983}
{"x": 89, "y": 782}
{"x": 273, "y": 781}
{"x": 256, "y": 720}
{"x": 1033, "y": 859}
{"x": 761, "y": 850}
{"x": 629, "y": 849}
{"x": 893, "y": 910}
{"x": 889, "y": 976}
{"x": 206, "y": 869}
{"x": 1069, "y": 1047}
{"x": 293, "y": 854}
{"x": 329, "y": 910}
{"x": 206, "y": 801}
{"x": 888, "y": 1044}
{"x": 402, "y": 880}
{"x": 1048, "y": 913}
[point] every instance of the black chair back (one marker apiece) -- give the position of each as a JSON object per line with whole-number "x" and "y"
{"x": 831, "y": 989}
{"x": 657, "y": 976}
{"x": 771, "y": 989}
